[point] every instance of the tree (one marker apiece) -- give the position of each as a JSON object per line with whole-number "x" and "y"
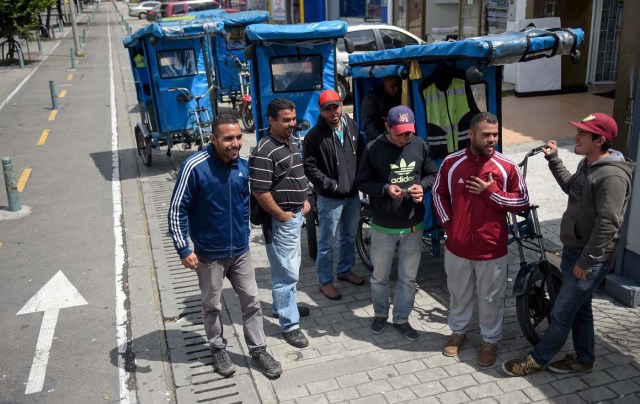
{"x": 17, "y": 18}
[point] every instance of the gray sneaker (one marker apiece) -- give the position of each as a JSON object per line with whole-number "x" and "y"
{"x": 222, "y": 363}
{"x": 261, "y": 359}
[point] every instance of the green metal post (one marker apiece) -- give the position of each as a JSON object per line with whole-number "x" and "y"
{"x": 11, "y": 184}
{"x": 73, "y": 58}
{"x": 54, "y": 94}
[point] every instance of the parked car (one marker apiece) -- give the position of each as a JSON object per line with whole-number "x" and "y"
{"x": 178, "y": 8}
{"x": 141, "y": 10}
{"x": 368, "y": 37}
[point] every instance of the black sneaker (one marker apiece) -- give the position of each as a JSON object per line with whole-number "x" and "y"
{"x": 222, "y": 363}
{"x": 378, "y": 325}
{"x": 407, "y": 331}
{"x": 303, "y": 311}
{"x": 296, "y": 338}
{"x": 265, "y": 362}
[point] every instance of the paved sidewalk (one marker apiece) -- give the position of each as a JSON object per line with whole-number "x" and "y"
{"x": 346, "y": 363}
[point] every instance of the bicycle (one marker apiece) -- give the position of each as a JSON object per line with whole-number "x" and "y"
{"x": 245, "y": 110}
{"x": 537, "y": 282}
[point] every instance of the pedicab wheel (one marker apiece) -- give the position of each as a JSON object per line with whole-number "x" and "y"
{"x": 534, "y": 306}
{"x": 247, "y": 118}
{"x": 310, "y": 224}
{"x": 144, "y": 147}
{"x": 363, "y": 239}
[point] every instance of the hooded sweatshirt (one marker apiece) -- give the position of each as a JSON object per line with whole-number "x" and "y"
{"x": 384, "y": 164}
{"x": 598, "y": 196}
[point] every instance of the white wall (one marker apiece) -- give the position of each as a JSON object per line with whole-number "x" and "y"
{"x": 441, "y": 13}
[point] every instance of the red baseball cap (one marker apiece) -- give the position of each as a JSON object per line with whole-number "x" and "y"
{"x": 600, "y": 124}
{"x": 329, "y": 97}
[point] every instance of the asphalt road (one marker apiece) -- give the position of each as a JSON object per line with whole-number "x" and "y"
{"x": 64, "y": 286}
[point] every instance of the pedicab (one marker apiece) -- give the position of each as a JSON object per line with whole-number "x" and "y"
{"x": 446, "y": 83}
{"x": 296, "y": 62}
{"x": 173, "y": 70}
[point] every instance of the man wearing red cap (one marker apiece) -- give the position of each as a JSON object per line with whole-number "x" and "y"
{"x": 396, "y": 172}
{"x": 590, "y": 228}
{"x": 332, "y": 151}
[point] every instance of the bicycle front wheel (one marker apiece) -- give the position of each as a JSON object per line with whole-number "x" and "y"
{"x": 363, "y": 239}
{"x": 534, "y": 306}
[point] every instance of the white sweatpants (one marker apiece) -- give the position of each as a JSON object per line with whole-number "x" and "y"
{"x": 487, "y": 280}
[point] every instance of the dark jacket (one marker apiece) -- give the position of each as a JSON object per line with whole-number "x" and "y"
{"x": 210, "y": 202}
{"x": 374, "y": 109}
{"x": 383, "y": 164}
{"x": 598, "y": 196}
{"x": 328, "y": 162}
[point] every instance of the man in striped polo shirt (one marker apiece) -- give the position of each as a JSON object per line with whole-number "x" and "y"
{"x": 280, "y": 187}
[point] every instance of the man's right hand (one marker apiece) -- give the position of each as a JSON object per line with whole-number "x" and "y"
{"x": 285, "y": 216}
{"x": 395, "y": 192}
{"x": 550, "y": 148}
{"x": 190, "y": 261}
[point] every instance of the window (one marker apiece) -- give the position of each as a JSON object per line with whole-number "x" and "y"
{"x": 177, "y": 63}
{"x": 296, "y": 73}
{"x": 178, "y": 9}
{"x": 235, "y": 38}
{"x": 394, "y": 39}
{"x": 362, "y": 41}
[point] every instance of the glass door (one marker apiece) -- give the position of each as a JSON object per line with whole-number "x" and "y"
{"x": 605, "y": 41}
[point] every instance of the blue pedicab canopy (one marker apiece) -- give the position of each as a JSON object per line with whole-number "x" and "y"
{"x": 295, "y": 62}
{"x": 175, "y": 54}
{"x": 180, "y": 29}
{"x": 296, "y": 32}
{"x": 505, "y": 48}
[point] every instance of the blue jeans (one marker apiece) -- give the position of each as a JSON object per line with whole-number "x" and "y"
{"x": 409, "y": 253}
{"x": 572, "y": 312}
{"x": 336, "y": 216}
{"x": 284, "y": 258}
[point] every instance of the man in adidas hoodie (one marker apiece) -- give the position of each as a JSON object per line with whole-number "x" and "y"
{"x": 396, "y": 172}
{"x": 598, "y": 192}
{"x": 475, "y": 189}
{"x": 210, "y": 201}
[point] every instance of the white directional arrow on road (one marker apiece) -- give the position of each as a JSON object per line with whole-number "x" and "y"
{"x": 55, "y": 295}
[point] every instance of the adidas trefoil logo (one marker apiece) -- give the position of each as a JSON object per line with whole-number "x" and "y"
{"x": 460, "y": 181}
{"x": 404, "y": 168}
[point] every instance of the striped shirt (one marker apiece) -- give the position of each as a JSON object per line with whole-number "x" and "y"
{"x": 269, "y": 162}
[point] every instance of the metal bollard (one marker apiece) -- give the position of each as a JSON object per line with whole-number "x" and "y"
{"x": 39, "y": 43}
{"x": 21, "y": 58}
{"x": 54, "y": 94}
{"x": 84, "y": 35}
{"x": 60, "y": 25}
{"x": 11, "y": 183}
{"x": 73, "y": 59}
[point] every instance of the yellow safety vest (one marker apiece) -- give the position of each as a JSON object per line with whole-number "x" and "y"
{"x": 138, "y": 60}
{"x": 445, "y": 109}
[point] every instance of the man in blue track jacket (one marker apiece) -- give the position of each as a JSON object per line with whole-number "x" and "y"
{"x": 211, "y": 202}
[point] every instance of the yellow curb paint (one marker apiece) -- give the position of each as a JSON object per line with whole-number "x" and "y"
{"x": 24, "y": 177}
{"x": 52, "y": 115}
{"x": 62, "y": 94}
{"x": 70, "y": 77}
{"x": 0, "y": 245}
{"x": 43, "y": 137}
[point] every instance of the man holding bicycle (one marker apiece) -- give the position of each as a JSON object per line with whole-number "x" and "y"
{"x": 280, "y": 187}
{"x": 590, "y": 228}
{"x": 474, "y": 190}
{"x": 332, "y": 150}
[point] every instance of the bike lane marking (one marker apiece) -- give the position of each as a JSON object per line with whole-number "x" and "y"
{"x": 53, "y": 114}
{"x": 55, "y": 295}
{"x": 24, "y": 177}
{"x": 70, "y": 77}
{"x": 122, "y": 315}
{"x": 43, "y": 137}
{"x": 62, "y": 94}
